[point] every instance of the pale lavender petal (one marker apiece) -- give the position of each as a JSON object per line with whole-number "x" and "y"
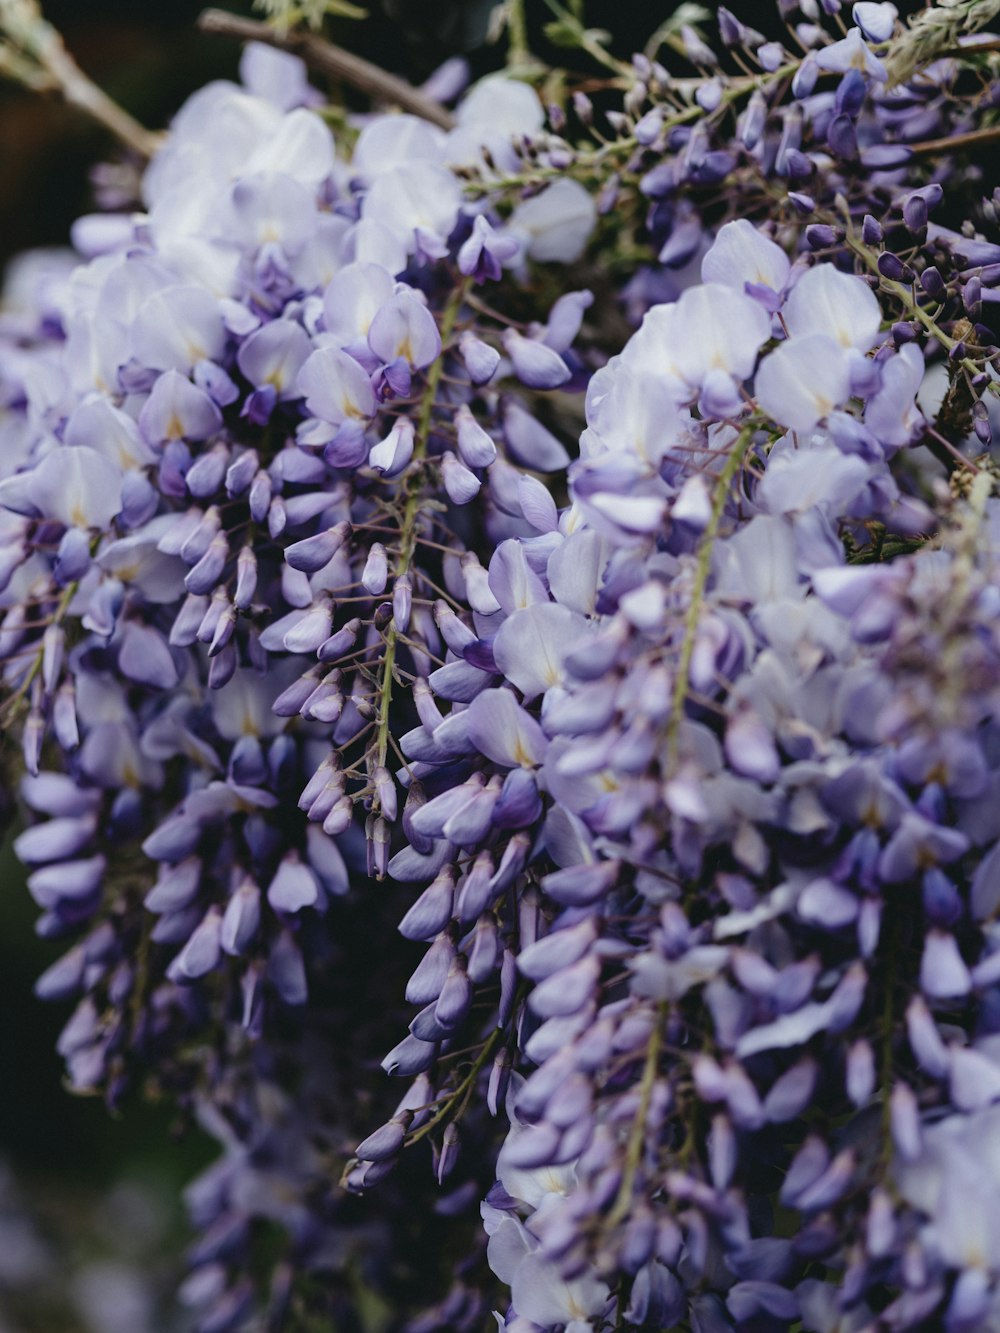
{"x": 803, "y": 380}
{"x": 876, "y": 21}
{"x": 480, "y": 359}
{"x": 272, "y": 208}
{"x": 72, "y": 880}
{"x": 275, "y": 76}
{"x": 535, "y": 365}
{"x": 286, "y": 970}
{"x": 741, "y": 254}
{"x": 177, "y": 410}
{"x": 537, "y": 504}
{"x": 293, "y": 887}
{"x": 404, "y": 327}
{"x": 78, "y": 487}
{"x": 391, "y": 455}
{"x": 790, "y": 1094}
{"x": 574, "y": 571}
{"x": 502, "y": 730}
{"x": 98, "y": 424}
{"x": 975, "y": 1079}
{"x": 723, "y": 330}
{"x": 336, "y": 388}
{"x": 555, "y": 224}
{"x": 241, "y": 919}
{"x": 512, "y": 581}
{"x": 475, "y": 447}
{"x": 532, "y": 645}
{"x": 459, "y": 481}
{"x": 274, "y": 355}
{"x": 838, "y": 305}
{"x": 202, "y": 952}
{"x": 353, "y": 298}
{"x": 54, "y": 840}
{"x": 145, "y": 657}
{"x": 459, "y": 681}
{"x": 827, "y": 904}
{"x": 943, "y": 972}
{"x": 540, "y": 1294}
{"x": 530, "y": 442}
{"x": 178, "y": 327}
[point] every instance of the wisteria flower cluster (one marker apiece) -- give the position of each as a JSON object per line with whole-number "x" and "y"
{"x": 513, "y": 596}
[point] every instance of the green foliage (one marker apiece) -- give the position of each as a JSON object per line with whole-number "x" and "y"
{"x": 569, "y": 31}
{"x": 285, "y": 14}
{"x": 936, "y": 30}
{"x": 688, "y": 15}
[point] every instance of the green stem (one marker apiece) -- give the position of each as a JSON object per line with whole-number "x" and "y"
{"x": 10, "y": 704}
{"x": 637, "y": 1134}
{"x": 885, "y": 1072}
{"x": 910, "y": 304}
{"x": 682, "y": 679}
{"x": 586, "y": 40}
{"x": 518, "y": 52}
{"x": 448, "y": 1107}
{"x": 408, "y": 522}
{"x": 904, "y": 296}
{"x": 626, "y": 146}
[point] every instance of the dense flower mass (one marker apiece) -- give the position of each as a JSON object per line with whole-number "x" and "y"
{"x": 592, "y": 535}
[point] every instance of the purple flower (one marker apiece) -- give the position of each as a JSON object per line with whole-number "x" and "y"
{"x": 803, "y": 380}
{"x": 404, "y": 328}
{"x": 484, "y": 254}
{"x": 177, "y": 410}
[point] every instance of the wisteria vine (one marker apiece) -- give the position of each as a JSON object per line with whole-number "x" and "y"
{"x": 513, "y": 595}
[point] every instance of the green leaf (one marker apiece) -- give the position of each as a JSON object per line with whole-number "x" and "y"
{"x": 691, "y": 14}
{"x": 568, "y": 33}
{"x": 344, "y": 9}
{"x": 687, "y": 13}
{"x": 561, "y": 32}
{"x": 285, "y": 14}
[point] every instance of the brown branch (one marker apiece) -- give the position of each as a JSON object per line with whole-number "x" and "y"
{"x": 955, "y": 142}
{"x": 329, "y": 59}
{"x": 972, "y": 48}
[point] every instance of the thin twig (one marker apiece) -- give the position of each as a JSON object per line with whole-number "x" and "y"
{"x": 329, "y": 59}
{"x": 955, "y": 142}
{"x": 723, "y": 484}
